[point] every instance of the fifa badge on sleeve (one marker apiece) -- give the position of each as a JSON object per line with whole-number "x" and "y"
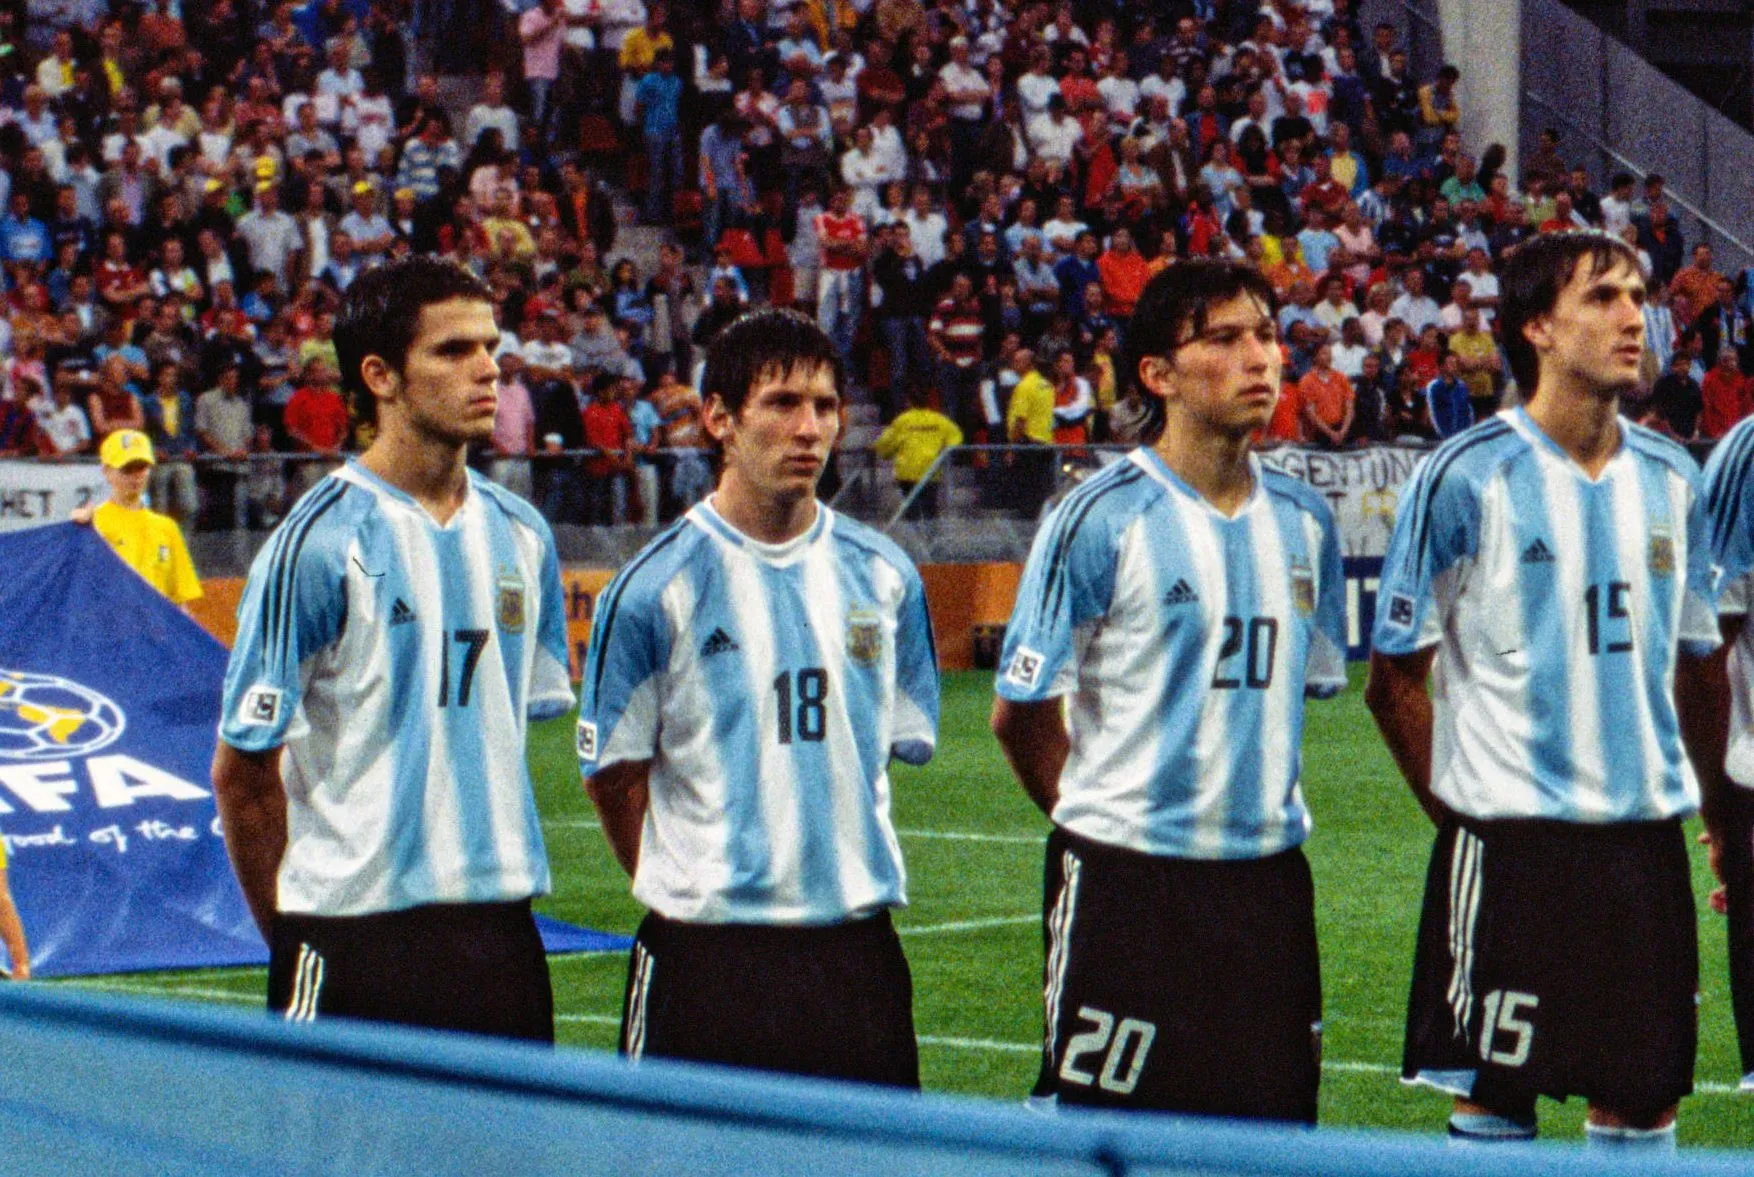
{"x": 587, "y": 742}
{"x": 1025, "y": 668}
{"x": 510, "y": 609}
{"x": 261, "y": 707}
{"x": 864, "y": 636}
{"x": 1302, "y": 588}
{"x": 1662, "y": 552}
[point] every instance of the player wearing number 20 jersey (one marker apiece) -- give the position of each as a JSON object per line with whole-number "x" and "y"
{"x": 750, "y": 674}
{"x": 1175, "y": 610}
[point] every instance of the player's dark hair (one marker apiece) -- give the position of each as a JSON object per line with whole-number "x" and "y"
{"x": 766, "y": 342}
{"x": 1173, "y": 310}
{"x": 1534, "y": 274}
{"x": 381, "y": 312}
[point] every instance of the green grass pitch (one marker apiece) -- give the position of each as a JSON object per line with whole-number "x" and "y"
{"x": 972, "y": 933}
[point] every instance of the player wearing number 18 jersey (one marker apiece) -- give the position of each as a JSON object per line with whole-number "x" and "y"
{"x": 1180, "y": 603}
{"x": 396, "y": 633}
{"x": 1547, "y": 570}
{"x": 750, "y": 674}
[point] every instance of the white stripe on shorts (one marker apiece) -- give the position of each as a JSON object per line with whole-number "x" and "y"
{"x": 307, "y": 985}
{"x": 1466, "y": 862}
{"x": 636, "y": 1002}
{"x": 1059, "y": 947}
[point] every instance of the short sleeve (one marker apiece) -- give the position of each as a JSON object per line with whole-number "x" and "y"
{"x": 1700, "y": 633}
{"x": 618, "y": 704}
{"x": 1729, "y": 506}
{"x": 1438, "y": 529}
{"x": 185, "y": 585}
{"x": 294, "y": 605}
{"x": 550, "y": 680}
{"x": 1326, "y": 673}
{"x": 1068, "y": 582}
{"x": 916, "y": 677}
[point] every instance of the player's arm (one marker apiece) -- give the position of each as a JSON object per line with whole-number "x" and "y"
{"x": 1702, "y": 704}
{"x": 621, "y": 794}
{"x": 252, "y": 809}
{"x": 1400, "y": 702}
{"x": 12, "y": 932}
{"x": 1033, "y": 737}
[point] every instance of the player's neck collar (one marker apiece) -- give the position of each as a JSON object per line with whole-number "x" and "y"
{"x": 707, "y": 515}
{"x": 1149, "y": 460}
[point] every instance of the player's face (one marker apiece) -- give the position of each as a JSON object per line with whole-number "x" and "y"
{"x": 1227, "y": 377}
{"x": 448, "y": 387}
{"x": 1594, "y": 335}
{"x": 777, "y": 445}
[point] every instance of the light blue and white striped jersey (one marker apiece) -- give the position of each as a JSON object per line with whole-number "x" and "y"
{"x": 396, "y": 661}
{"x": 1729, "y": 500}
{"x": 1557, "y": 603}
{"x": 768, "y": 684}
{"x": 1184, "y": 641}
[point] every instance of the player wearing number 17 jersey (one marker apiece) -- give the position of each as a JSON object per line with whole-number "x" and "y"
{"x": 396, "y": 633}
{"x": 1548, "y": 569}
{"x": 750, "y": 674}
{"x": 1180, "y": 604}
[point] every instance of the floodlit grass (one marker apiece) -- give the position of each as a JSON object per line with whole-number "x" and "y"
{"x": 974, "y": 940}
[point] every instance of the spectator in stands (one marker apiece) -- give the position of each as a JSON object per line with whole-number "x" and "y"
{"x": 1478, "y": 361}
{"x": 1660, "y": 237}
{"x": 224, "y": 427}
{"x": 1676, "y": 401}
{"x": 170, "y": 426}
{"x": 609, "y": 433}
{"x": 901, "y": 314}
{"x": 112, "y": 405}
{"x": 1328, "y": 401}
{"x": 913, "y": 442}
{"x": 1447, "y": 399}
{"x": 1726, "y": 394}
{"x": 658, "y": 100}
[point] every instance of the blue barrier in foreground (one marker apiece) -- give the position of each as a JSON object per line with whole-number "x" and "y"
{"x": 100, "y": 1085}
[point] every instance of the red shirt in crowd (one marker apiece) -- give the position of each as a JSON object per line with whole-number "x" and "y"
{"x": 317, "y": 417}
{"x": 1728, "y": 398}
{"x": 608, "y": 428}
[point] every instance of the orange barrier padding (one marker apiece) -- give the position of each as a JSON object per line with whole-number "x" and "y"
{"x": 959, "y": 596}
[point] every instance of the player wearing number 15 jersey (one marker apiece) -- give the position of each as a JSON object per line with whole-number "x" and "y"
{"x": 1548, "y": 569}
{"x": 396, "y": 633}
{"x": 750, "y": 674}
{"x": 1179, "y": 605}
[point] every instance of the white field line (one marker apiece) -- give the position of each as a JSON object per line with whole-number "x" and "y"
{"x": 1002, "y": 921}
{"x": 585, "y": 823}
{"x": 989, "y": 1045}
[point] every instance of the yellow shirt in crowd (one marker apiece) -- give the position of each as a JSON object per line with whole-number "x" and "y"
{"x": 1032, "y": 402}
{"x": 152, "y": 545}
{"x": 915, "y": 439}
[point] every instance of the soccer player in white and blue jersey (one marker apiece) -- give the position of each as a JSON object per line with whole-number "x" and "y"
{"x": 750, "y": 674}
{"x": 396, "y": 634}
{"x": 1549, "y": 569}
{"x": 1723, "y": 693}
{"x": 1175, "y": 610}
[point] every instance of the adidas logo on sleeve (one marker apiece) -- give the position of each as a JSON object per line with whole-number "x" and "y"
{"x": 718, "y": 642}
{"x": 400, "y": 613}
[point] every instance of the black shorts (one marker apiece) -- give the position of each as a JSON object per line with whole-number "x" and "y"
{"x": 1180, "y": 985}
{"x": 833, "y": 1002}
{"x": 1737, "y": 864}
{"x": 478, "y": 968}
{"x": 1558, "y": 959}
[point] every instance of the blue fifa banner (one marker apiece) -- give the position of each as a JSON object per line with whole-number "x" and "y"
{"x": 109, "y": 708}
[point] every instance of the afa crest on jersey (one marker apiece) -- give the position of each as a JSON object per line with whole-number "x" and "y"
{"x": 864, "y": 636}
{"x": 510, "y": 607}
{"x": 1662, "y": 552}
{"x": 1303, "y": 594}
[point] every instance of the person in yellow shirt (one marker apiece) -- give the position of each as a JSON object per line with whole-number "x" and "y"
{"x": 913, "y": 442}
{"x": 12, "y": 928}
{"x": 148, "y": 542}
{"x": 1029, "y": 420}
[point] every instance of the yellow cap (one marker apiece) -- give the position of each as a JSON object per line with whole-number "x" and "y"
{"x": 363, "y": 188}
{"x": 124, "y": 447}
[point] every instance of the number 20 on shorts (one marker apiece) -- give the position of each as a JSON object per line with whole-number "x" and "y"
{"x": 1123, "y": 1045}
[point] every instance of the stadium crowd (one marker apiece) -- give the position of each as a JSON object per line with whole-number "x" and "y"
{"x": 969, "y": 195}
